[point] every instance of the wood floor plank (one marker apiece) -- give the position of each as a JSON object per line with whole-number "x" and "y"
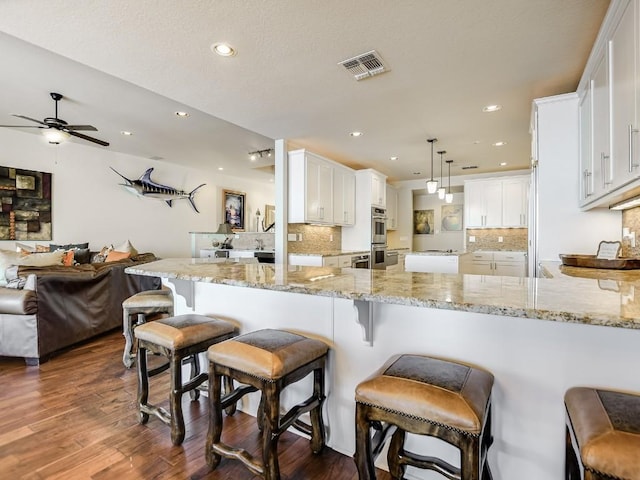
{"x": 75, "y": 417}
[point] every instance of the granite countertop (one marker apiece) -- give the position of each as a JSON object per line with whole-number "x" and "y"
{"x": 562, "y": 298}
{"x": 438, "y": 253}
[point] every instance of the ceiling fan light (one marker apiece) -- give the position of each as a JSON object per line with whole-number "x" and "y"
{"x": 432, "y": 186}
{"x": 54, "y": 136}
{"x": 448, "y": 198}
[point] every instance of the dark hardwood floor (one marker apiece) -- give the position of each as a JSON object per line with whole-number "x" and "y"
{"x": 74, "y": 417}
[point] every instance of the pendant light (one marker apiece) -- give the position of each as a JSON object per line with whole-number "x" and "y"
{"x": 432, "y": 185}
{"x": 441, "y": 190}
{"x": 448, "y": 198}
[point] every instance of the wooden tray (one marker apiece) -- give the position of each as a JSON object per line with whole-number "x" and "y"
{"x": 590, "y": 261}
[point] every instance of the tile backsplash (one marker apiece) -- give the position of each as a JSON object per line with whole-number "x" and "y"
{"x": 489, "y": 239}
{"x": 631, "y": 220}
{"x": 315, "y": 238}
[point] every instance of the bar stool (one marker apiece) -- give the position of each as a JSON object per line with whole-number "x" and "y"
{"x": 424, "y": 396}
{"x": 142, "y": 305}
{"x": 602, "y": 434}
{"x": 177, "y": 338}
{"x": 266, "y": 361}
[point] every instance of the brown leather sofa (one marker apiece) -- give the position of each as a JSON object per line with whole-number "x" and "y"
{"x": 67, "y": 306}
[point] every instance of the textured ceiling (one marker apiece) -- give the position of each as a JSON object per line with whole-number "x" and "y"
{"x": 447, "y": 60}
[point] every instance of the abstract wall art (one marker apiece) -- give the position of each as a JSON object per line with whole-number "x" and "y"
{"x": 25, "y": 197}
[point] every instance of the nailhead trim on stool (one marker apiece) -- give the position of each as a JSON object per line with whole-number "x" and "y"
{"x": 177, "y": 338}
{"x": 424, "y": 396}
{"x": 266, "y": 361}
{"x": 602, "y": 434}
{"x": 142, "y": 305}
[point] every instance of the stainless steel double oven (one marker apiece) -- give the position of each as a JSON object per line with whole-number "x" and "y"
{"x": 378, "y": 238}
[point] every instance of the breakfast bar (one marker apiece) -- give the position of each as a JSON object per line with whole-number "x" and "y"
{"x": 538, "y": 336}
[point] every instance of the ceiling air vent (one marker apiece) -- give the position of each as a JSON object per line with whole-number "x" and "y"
{"x": 365, "y": 65}
{"x": 469, "y": 167}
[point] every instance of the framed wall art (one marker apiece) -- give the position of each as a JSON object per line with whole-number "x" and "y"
{"x": 423, "y": 223}
{"x": 233, "y": 204}
{"x": 25, "y": 197}
{"x": 451, "y": 218}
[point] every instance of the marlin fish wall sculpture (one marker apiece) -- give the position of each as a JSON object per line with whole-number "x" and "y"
{"x": 146, "y": 188}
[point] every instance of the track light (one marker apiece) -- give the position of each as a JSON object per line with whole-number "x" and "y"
{"x": 267, "y": 152}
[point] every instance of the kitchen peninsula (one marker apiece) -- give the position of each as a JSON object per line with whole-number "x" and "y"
{"x": 536, "y": 335}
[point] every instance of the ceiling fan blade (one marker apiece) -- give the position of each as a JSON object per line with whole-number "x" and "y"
{"x": 90, "y": 139}
{"x": 81, "y": 127}
{"x": 22, "y": 126}
{"x": 31, "y": 119}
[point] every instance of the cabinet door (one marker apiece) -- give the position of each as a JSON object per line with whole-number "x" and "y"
{"x": 602, "y": 175}
{"x": 508, "y": 269}
{"x": 319, "y": 181}
{"x": 344, "y": 196}
{"x": 392, "y": 208}
{"x": 378, "y": 191}
{"x": 492, "y": 193}
{"x": 623, "y": 97}
{"x": 473, "y": 205}
{"x": 586, "y": 151}
{"x": 515, "y": 195}
{"x": 330, "y": 262}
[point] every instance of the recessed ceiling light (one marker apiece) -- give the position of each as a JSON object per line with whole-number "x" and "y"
{"x": 492, "y": 108}
{"x": 125, "y": 133}
{"x": 223, "y": 49}
{"x": 477, "y": 142}
{"x": 499, "y": 144}
{"x": 220, "y": 168}
{"x": 503, "y": 164}
{"x": 182, "y": 114}
{"x": 393, "y": 159}
{"x": 356, "y": 134}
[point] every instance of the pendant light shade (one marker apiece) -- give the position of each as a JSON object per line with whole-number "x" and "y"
{"x": 441, "y": 190}
{"x": 448, "y": 198}
{"x": 432, "y": 185}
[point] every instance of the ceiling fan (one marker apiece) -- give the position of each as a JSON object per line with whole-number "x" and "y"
{"x": 57, "y": 130}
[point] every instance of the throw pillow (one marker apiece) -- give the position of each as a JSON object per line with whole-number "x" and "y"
{"x": 42, "y": 248}
{"x": 82, "y": 255}
{"x": 116, "y": 255}
{"x": 126, "y": 247}
{"x": 41, "y": 259}
{"x": 67, "y": 258}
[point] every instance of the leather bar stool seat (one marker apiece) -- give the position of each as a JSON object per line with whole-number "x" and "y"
{"x": 425, "y": 396}
{"x": 266, "y": 361}
{"x": 177, "y": 338}
{"x": 602, "y": 434}
{"x": 141, "y": 307}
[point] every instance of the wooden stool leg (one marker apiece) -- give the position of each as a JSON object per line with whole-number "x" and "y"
{"x": 317, "y": 424}
{"x": 363, "y": 457}
{"x": 260, "y": 414}
{"x": 195, "y": 371}
{"x": 271, "y": 433}
{"x": 127, "y": 331}
{"x": 572, "y": 469}
{"x": 143, "y": 385}
{"x": 470, "y": 461}
{"x": 215, "y": 418}
{"x": 228, "y": 388}
{"x": 175, "y": 400}
{"x": 396, "y": 449}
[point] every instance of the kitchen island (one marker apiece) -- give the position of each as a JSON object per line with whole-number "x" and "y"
{"x": 537, "y": 336}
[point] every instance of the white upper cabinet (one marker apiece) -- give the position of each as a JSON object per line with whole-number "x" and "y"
{"x": 496, "y": 202}
{"x": 320, "y": 190}
{"x": 515, "y": 202}
{"x": 392, "y": 208}
{"x": 378, "y": 189}
{"x": 310, "y": 188}
{"x": 609, "y": 109}
{"x": 344, "y": 196}
{"x": 623, "y": 58}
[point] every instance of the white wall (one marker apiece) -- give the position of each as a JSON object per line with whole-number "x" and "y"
{"x": 89, "y": 205}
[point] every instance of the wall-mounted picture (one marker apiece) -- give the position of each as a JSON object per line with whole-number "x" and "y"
{"x": 451, "y": 218}
{"x": 26, "y": 204}
{"x": 423, "y": 222}
{"x": 269, "y": 216}
{"x": 233, "y": 204}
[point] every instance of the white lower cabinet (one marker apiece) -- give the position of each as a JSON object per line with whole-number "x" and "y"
{"x": 508, "y": 264}
{"x": 431, "y": 263}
